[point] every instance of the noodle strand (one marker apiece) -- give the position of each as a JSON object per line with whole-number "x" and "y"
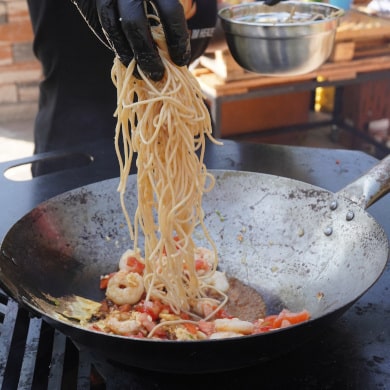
{"x": 165, "y": 123}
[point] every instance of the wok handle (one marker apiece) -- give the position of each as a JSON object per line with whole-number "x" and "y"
{"x": 370, "y": 187}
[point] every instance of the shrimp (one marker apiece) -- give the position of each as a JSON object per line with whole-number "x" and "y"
{"x": 132, "y": 261}
{"x": 125, "y": 288}
{"x": 223, "y": 335}
{"x": 203, "y": 307}
{"x": 123, "y": 324}
{"x": 233, "y": 325}
{"x": 219, "y": 281}
{"x": 204, "y": 260}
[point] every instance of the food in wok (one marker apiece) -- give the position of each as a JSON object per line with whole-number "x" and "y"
{"x": 227, "y": 307}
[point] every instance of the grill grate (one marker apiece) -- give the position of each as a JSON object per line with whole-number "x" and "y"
{"x": 34, "y": 356}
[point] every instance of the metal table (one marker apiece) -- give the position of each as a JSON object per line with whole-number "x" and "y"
{"x": 353, "y": 353}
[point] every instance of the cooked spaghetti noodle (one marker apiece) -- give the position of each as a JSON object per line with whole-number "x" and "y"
{"x": 166, "y": 123}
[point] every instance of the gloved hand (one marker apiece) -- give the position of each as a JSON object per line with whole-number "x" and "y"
{"x": 123, "y": 26}
{"x": 272, "y": 2}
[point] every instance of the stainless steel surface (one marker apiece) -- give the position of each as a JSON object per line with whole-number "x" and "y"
{"x": 279, "y": 47}
{"x": 24, "y": 366}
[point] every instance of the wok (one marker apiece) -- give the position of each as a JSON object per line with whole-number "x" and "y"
{"x": 300, "y": 246}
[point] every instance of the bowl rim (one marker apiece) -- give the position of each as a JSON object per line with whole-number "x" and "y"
{"x": 339, "y": 12}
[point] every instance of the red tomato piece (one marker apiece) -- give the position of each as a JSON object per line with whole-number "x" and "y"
{"x": 184, "y": 316}
{"x": 222, "y": 314}
{"x": 291, "y": 317}
{"x": 192, "y": 328}
{"x": 135, "y": 265}
{"x": 297, "y": 318}
{"x": 104, "y": 280}
{"x": 201, "y": 264}
{"x": 152, "y": 308}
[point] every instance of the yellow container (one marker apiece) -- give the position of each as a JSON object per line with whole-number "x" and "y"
{"x": 324, "y": 98}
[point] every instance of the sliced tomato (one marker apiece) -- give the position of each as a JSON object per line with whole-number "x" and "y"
{"x": 297, "y": 318}
{"x": 152, "y": 308}
{"x": 104, "y": 280}
{"x": 266, "y": 324}
{"x": 192, "y": 328}
{"x": 160, "y": 333}
{"x": 222, "y": 314}
{"x": 284, "y": 319}
{"x": 184, "y": 316}
{"x": 270, "y": 320}
{"x": 291, "y": 317}
{"x": 262, "y": 329}
{"x": 285, "y": 324}
{"x": 201, "y": 265}
{"x": 135, "y": 265}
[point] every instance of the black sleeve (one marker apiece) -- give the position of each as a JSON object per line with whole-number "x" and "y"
{"x": 201, "y": 24}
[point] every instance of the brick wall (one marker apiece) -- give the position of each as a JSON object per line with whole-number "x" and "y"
{"x": 20, "y": 72}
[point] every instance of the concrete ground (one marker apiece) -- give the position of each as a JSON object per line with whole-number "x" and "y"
{"x": 16, "y": 141}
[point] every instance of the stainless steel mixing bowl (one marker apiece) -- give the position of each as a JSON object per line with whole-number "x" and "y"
{"x": 289, "y": 38}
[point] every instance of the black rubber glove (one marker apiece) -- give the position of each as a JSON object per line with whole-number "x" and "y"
{"x": 123, "y": 26}
{"x": 272, "y": 2}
